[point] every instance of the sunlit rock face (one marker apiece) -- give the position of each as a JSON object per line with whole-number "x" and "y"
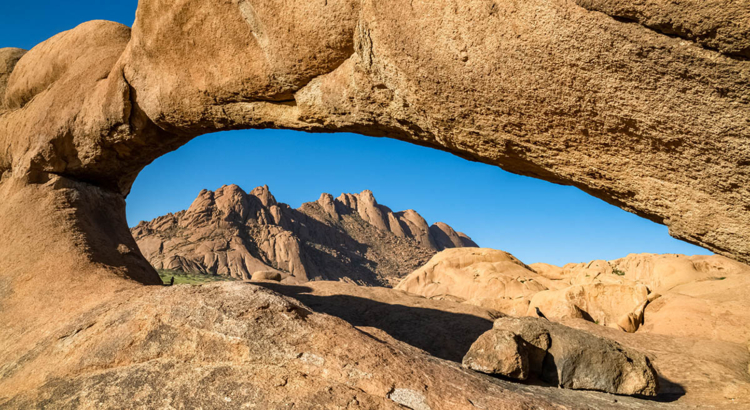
{"x": 648, "y": 120}
{"x": 233, "y": 233}
{"x": 645, "y": 292}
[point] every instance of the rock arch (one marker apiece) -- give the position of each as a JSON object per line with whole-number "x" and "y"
{"x": 655, "y": 124}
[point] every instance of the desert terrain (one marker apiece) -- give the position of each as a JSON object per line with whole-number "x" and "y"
{"x": 344, "y": 303}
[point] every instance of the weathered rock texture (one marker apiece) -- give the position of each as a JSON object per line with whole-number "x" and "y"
{"x": 655, "y": 124}
{"x": 234, "y": 345}
{"x": 497, "y": 280}
{"x": 694, "y": 328}
{"x": 652, "y": 123}
{"x": 567, "y": 357}
{"x": 659, "y": 272}
{"x": 479, "y": 276}
{"x": 8, "y": 59}
{"x": 442, "y": 328}
{"x": 601, "y": 303}
{"x": 499, "y": 352}
{"x": 717, "y": 24}
{"x": 233, "y": 233}
{"x": 694, "y": 367}
{"x": 620, "y": 293}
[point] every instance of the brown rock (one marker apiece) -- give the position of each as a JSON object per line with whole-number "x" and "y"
{"x": 665, "y": 272}
{"x": 659, "y": 272}
{"x": 548, "y": 271}
{"x": 633, "y": 320}
{"x": 408, "y": 224}
{"x": 266, "y": 275}
{"x": 499, "y": 352}
{"x": 533, "y": 332}
{"x": 445, "y": 237}
{"x": 713, "y": 309}
{"x": 442, "y": 328}
{"x": 579, "y": 360}
{"x": 114, "y": 100}
{"x": 510, "y": 307}
{"x": 693, "y": 371}
{"x": 68, "y": 53}
{"x": 648, "y": 122}
{"x": 719, "y": 24}
{"x": 602, "y": 303}
{"x": 496, "y": 280}
{"x": 233, "y": 233}
{"x": 8, "y": 59}
{"x": 554, "y": 306}
{"x": 241, "y": 344}
{"x": 690, "y": 369}
{"x": 480, "y": 276}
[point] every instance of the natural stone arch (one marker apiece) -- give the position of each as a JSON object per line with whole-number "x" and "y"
{"x": 653, "y": 124}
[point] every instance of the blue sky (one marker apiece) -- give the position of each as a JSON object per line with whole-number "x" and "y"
{"x": 25, "y": 24}
{"x": 535, "y": 220}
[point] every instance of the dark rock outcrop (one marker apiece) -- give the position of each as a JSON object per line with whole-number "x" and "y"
{"x": 567, "y": 357}
{"x": 499, "y": 352}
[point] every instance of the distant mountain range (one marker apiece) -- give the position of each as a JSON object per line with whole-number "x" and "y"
{"x": 352, "y": 237}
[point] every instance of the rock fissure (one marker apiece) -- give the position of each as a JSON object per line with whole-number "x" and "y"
{"x": 715, "y": 25}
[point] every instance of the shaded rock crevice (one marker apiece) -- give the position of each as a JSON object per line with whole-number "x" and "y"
{"x": 721, "y": 25}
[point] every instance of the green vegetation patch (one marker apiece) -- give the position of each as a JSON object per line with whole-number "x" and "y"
{"x": 183, "y": 278}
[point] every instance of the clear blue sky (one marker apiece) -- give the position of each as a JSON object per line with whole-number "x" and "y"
{"x": 535, "y": 220}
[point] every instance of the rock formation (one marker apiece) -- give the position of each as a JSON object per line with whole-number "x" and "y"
{"x": 499, "y": 352}
{"x": 230, "y": 232}
{"x": 479, "y": 276}
{"x": 712, "y": 24}
{"x": 660, "y": 272}
{"x": 648, "y": 120}
{"x": 266, "y": 275}
{"x": 615, "y": 293}
{"x": 569, "y": 358}
{"x": 601, "y": 303}
{"x": 8, "y": 59}
{"x": 693, "y": 370}
{"x": 243, "y": 346}
{"x": 695, "y": 328}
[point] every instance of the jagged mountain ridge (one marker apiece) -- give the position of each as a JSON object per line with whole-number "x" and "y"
{"x": 352, "y": 237}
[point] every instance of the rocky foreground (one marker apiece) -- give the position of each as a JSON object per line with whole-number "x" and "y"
{"x": 238, "y": 345}
{"x": 326, "y": 345}
{"x": 336, "y": 345}
{"x": 233, "y": 233}
{"x": 689, "y": 314}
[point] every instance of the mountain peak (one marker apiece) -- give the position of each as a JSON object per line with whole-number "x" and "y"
{"x": 264, "y": 194}
{"x": 232, "y": 232}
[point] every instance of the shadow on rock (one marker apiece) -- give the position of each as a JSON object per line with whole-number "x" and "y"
{"x": 669, "y": 391}
{"x": 445, "y": 335}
